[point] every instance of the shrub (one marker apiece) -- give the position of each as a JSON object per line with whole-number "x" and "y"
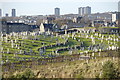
{"x": 108, "y": 70}
{"x": 27, "y": 74}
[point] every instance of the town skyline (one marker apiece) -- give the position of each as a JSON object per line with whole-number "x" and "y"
{"x": 34, "y": 8}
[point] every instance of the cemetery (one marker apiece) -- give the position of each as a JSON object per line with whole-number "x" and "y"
{"x": 32, "y": 49}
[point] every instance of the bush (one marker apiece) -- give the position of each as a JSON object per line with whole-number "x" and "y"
{"x": 108, "y": 70}
{"x": 79, "y": 76}
{"x": 27, "y": 74}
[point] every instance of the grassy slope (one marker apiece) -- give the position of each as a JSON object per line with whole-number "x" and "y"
{"x": 73, "y": 69}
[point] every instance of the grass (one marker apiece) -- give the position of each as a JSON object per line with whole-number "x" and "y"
{"x": 70, "y": 69}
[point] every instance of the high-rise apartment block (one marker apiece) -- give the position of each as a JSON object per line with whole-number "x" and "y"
{"x": 119, "y": 6}
{"x": 84, "y": 10}
{"x": 81, "y": 11}
{"x": 13, "y": 13}
{"x": 0, "y": 12}
{"x": 57, "y": 11}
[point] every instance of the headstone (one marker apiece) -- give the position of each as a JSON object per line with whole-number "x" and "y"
{"x": 86, "y": 36}
{"x": 117, "y": 39}
{"x": 99, "y": 54}
{"x": 15, "y": 40}
{"x": 8, "y": 50}
{"x": 70, "y": 52}
{"x": 101, "y": 40}
{"x": 93, "y": 54}
{"x": 102, "y": 62}
{"x": 99, "y": 35}
{"x": 56, "y": 51}
{"x": 1, "y": 49}
{"x": 56, "y": 34}
{"x": 6, "y": 39}
{"x": 12, "y": 45}
{"x": 87, "y": 61}
{"x": 20, "y": 51}
{"x": 16, "y": 45}
{"x": 74, "y": 38}
{"x": 113, "y": 58}
{"x": 31, "y": 51}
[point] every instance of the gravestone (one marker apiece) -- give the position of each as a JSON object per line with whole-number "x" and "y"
{"x": 2, "y": 49}
{"x": 99, "y": 54}
{"x": 86, "y": 36}
{"x": 31, "y": 51}
{"x": 20, "y": 51}
{"x": 56, "y": 52}
{"x": 16, "y": 46}
{"x": 8, "y": 50}
{"x": 93, "y": 54}
{"x": 12, "y": 45}
{"x": 6, "y": 39}
{"x": 41, "y": 51}
{"x": 15, "y": 40}
{"x": 70, "y": 52}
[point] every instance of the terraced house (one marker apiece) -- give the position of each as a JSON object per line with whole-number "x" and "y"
{"x": 8, "y": 27}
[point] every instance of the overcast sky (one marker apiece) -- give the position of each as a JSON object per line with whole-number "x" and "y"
{"x": 46, "y": 7}
{"x": 59, "y": 0}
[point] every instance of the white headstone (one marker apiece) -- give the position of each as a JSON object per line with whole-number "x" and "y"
{"x": 93, "y": 54}
{"x": 99, "y": 54}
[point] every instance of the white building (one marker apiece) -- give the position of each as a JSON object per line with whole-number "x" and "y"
{"x": 114, "y": 17}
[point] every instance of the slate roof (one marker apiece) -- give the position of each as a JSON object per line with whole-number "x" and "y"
{"x": 51, "y": 27}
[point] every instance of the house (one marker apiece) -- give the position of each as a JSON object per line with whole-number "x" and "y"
{"x": 46, "y": 27}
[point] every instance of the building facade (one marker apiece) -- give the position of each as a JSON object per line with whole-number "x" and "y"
{"x": 13, "y": 13}
{"x": 57, "y": 11}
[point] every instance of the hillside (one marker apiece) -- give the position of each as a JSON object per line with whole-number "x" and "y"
{"x": 71, "y": 69}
